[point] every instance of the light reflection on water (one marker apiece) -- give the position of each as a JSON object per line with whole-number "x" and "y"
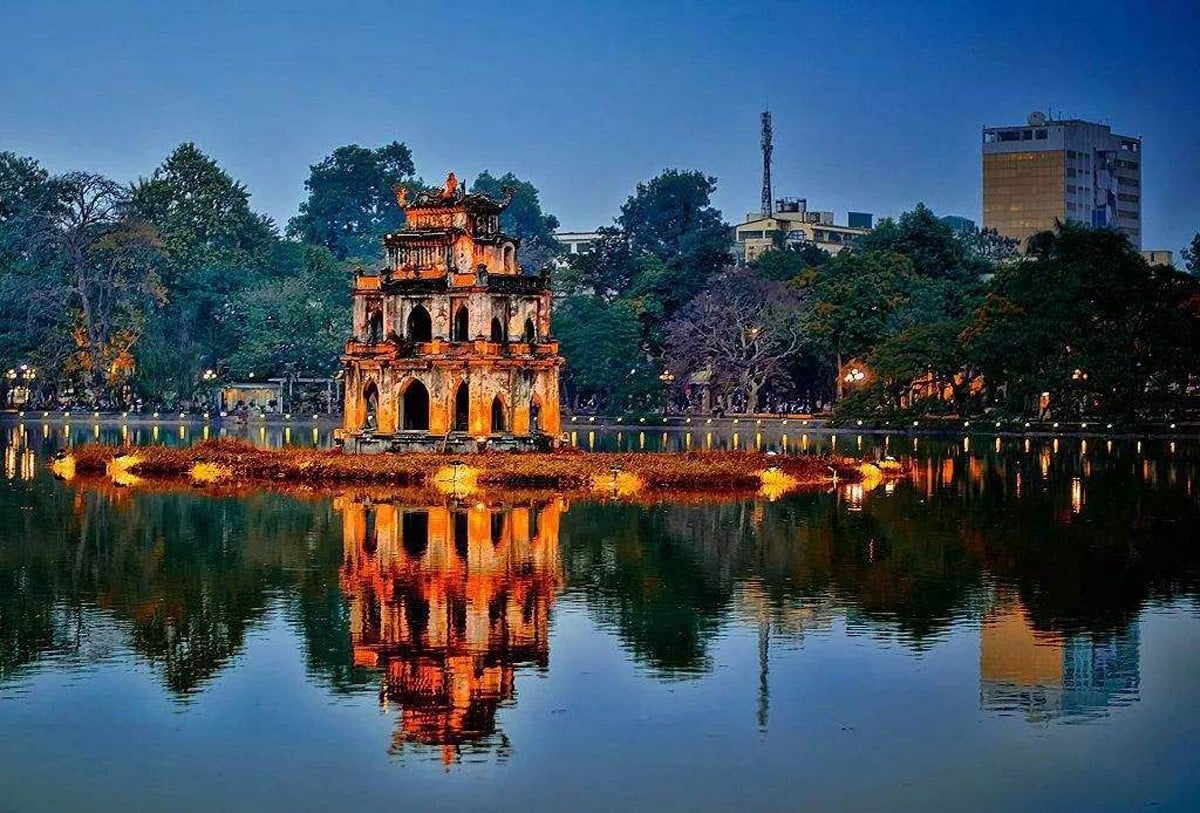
{"x": 1001, "y": 594}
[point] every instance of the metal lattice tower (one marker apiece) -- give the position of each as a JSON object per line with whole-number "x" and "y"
{"x": 766, "y": 149}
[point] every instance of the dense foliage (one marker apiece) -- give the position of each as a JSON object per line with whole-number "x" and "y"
{"x": 119, "y": 293}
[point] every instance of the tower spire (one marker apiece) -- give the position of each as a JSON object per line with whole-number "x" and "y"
{"x": 767, "y": 147}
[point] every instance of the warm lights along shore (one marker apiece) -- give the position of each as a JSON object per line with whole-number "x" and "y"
{"x": 235, "y": 462}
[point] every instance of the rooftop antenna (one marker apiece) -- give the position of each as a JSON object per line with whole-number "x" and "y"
{"x": 767, "y": 147}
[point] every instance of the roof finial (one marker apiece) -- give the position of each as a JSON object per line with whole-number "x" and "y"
{"x": 450, "y": 190}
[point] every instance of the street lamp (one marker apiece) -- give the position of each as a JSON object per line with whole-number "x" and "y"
{"x": 667, "y": 378}
{"x": 20, "y": 379}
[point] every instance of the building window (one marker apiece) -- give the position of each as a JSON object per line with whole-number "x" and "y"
{"x": 1041, "y": 135}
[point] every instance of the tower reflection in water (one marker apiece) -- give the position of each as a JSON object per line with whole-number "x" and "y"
{"x": 449, "y": 601}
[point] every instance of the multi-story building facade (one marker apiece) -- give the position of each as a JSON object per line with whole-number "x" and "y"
{"x": 792, "y": 223}
{"x": 1069, "y": 171}
{"x": 451, "y": 342}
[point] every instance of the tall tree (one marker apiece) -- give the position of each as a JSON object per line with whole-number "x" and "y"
{"x": 1086, "y": 320}
{"x": 1191, "y": 255}
{"x": 203, "y": 216}
{"x": 351, "y": 202}
{"x": 107, "y": 279}
{"x": 855, "y": 300}
{"x": 671, "y": 218}
{"x": 741, "y": 329}
{"x": 216, "y": 245}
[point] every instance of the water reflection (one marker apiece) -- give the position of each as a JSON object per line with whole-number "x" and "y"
{"x": 1044, "y": 676}
{"x": 1044, "y": 561}
{"x": 448, "y": 602}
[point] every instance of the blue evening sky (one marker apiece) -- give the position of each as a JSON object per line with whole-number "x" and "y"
{"x": 876, "y": 107}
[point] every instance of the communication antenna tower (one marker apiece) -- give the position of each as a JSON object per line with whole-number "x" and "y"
{"x": 766, "y": 150}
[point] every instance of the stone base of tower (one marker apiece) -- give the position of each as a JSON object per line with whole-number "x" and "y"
{"x": 453, "y": 443}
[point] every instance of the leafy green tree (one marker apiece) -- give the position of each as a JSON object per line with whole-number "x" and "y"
{"x": 671, "y": 218}
{"x": 854, "y": 302}
{"x": 1088, "y": 321}
{"x": 1191, "y": 255}
{"x": 296, "y": 323}
{"x": 928, "y": 243}
{"x": 523, "y": 218}
{"x": 351, "y": 203}
{"x": 784, "y": 264}
{"x": 601, "y": 342}
{"x": 27, "y": 194}
{"x": 216, "y": 246}
{"x": 102, "y": 281}
{"x": 203, "y": 217}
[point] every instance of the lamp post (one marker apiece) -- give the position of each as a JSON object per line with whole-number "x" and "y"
{"x": 209, "y": 377}
{"x": 20, "y": 380}
{"x": 667, "y": 378}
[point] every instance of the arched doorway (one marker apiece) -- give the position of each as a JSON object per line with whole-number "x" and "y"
{"x": 498, "y": 414}
{"x": 420, "y": 325}
{"x": 462, "y": 408}
{"x": 461, "y": 325}
{"x": 530, "y": 332}
{"x": 497, "y": 329}
{"x": 415, "y": 407}
{"x": 370, "y": 400}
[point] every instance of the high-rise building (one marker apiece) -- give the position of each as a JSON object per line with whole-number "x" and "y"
{"x": 1061, "y": 170}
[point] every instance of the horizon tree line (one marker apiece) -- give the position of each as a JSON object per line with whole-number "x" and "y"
{"x": 153, "y": 290}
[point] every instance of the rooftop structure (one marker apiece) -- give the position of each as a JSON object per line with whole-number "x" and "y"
{"x": 791, "y": 223}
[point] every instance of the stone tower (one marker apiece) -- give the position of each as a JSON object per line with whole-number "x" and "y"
{"x": 451, "y": 346}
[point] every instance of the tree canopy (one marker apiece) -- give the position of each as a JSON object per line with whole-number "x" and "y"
{"x": 351, "y": 202}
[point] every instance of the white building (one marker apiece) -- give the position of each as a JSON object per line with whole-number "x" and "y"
{"x": 791, "y": 224}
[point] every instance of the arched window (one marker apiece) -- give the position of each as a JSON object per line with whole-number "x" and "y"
{"x": 462, "y": 408}
{"x": 420, "y": 325}
{"x": 498, "y": 422}
{"x": 415, "y": 407}
{"x": 535, "y": 414}
{"x": 497, "y": 529}
{"x": 370, "y": 405}
{"x": 530, "y": 332}
{"x": 509, "y": 255}
{"x": 497, "y": 329}
{"x": 375, "y": 326}
{"x": 461, "y": 325}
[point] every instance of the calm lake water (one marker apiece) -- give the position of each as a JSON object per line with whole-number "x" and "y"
{"x": 1015, "y": 627}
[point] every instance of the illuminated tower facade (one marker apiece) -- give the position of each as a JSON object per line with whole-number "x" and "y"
{"x": 451, "y": 346}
